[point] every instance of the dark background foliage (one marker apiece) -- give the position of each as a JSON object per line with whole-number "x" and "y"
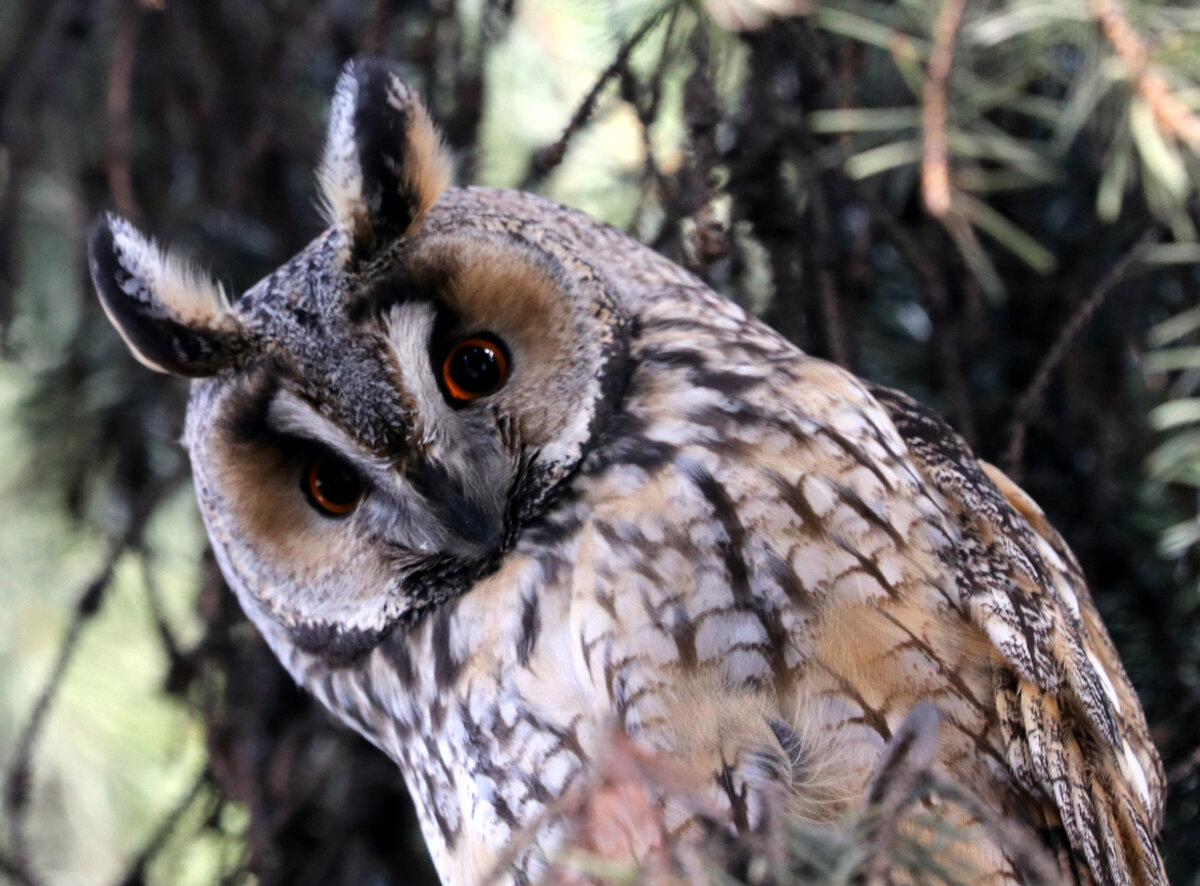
{"x": 201, "y": 121}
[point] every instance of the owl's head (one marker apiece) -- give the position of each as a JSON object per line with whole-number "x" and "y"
{"x": 372, "y": 425}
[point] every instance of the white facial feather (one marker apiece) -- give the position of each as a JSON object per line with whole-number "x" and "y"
{"x": 289, "y": 414}
{"x": 407, "y": 329}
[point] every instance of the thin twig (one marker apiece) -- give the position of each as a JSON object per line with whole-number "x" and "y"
{"x": 945, "y": 340}
{"x": 826, "y": 283}
{"x": 1031, "y": 400}
{"x": 162, "y": 624}
{"x": 647, "y": 113}
{"x": 935, "y": 165}
{"x": 546, "y": 160}
{"x": 117, "y": 97}
{"x": 136, "y": 871}
{"x": 312, "y": 32}
{"x": 380, "y": 21}
{"x": 18, "y": 779}
{"x": 1171, "y": 114}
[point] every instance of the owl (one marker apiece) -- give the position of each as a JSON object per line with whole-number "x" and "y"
{"x": 496, "y": 482}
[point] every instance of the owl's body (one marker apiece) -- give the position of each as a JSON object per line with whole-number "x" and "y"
{"x": 665, "y": 521}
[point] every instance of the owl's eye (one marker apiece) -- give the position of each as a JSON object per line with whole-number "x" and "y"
{"x": 332, "y": 486}
{"x": 475, "y": 367}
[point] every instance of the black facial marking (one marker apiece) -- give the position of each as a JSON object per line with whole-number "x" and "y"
{"x": 337, "y": 646}
{"x": 246, "y": 418}
{"x": 400, "y": 283}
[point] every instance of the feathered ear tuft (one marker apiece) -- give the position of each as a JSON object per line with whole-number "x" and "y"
{"x": 173, "y": 317}
{"x": 384, "y": 164}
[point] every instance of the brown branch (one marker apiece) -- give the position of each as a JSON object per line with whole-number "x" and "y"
{"x": 313, "y": 31}
{"x": 1030, "y": 401}
{"x": 1172, "y": 115}
{"x": 935, "y": 165}
{"x": 946, "y": 338}
{"x": 116, "y": 110}
{"x": 821, "y": 215}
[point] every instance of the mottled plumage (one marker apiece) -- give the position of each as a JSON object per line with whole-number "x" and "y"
{"x": 665, "y": 522}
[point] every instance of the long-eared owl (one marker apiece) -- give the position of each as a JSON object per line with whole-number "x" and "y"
{"x": 497, "y": 483}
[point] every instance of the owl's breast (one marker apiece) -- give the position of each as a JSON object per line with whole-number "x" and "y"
{"x": 762, "y": 586}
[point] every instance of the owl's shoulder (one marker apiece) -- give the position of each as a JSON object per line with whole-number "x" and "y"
{"x": 1075, "y": 733}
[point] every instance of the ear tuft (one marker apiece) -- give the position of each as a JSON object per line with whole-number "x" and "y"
{"x": 384, "y": 165}
{"x": 173, "y": 317}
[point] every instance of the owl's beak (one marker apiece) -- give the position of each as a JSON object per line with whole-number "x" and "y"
{"x": 478, "y": 522}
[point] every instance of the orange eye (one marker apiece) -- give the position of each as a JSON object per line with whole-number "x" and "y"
{"x": 332, "y": 486}
{"x": 475, "y": 367}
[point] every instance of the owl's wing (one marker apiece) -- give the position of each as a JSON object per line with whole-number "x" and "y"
{"x": 1074, "y": 731}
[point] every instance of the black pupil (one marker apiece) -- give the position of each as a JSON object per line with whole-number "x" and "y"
{"x": 337, "y": 482}
{"x": 475, "y": 369}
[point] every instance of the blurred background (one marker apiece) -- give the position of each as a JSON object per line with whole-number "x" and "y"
{"x": 990, "y": 204}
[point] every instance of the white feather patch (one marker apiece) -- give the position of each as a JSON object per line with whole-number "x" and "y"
{"x": 340, "y": 172}
{"x": 169, "y": 285}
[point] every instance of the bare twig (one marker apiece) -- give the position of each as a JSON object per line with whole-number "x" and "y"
{"x": 313, "y": 31}
{"x": 116, "y": 107}
{"x": 820, "y": 215}
{"x": 945, "y": 339}
{"x": 1172, "y": 115}
{"x": 1031, "y": 400}
{"x": 135, "y": 873}
{"x": 162, "y": 625}
{"x": 647, "y": 113}
{"x": 546, "y": 160}
{"x": 19, "y": 777}
{"x": 935, "y": 167}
